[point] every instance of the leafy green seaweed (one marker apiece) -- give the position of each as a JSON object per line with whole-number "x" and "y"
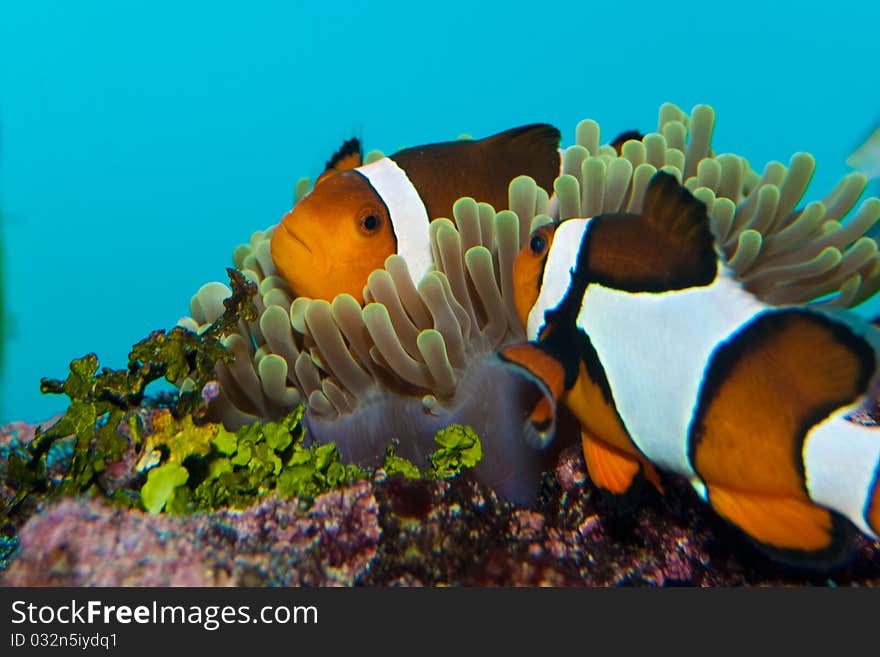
{"x": 208, "y": 467}
{"x": 397, "y": 465}
{"x": 160, "y": 485}
{"x": 460, "y": 448}
{"x": 101, "y": 401}
{"x": 186, "y": 464}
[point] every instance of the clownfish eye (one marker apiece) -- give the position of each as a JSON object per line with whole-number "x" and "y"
{"x": 370, "y": 223}
{"x": 538, "y": 244}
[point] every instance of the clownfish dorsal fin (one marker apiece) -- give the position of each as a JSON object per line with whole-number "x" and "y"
{"x": 534, "y": 138}
{"x": 548, "y": 375}
{"x": 534, "y": 148}
{"x": 670, "y": 206}
{"x": 624, "y": 137}
{"x": 668, "y": 246}
{"x": 482, "y": 168}
{"x": 348, "y": 156}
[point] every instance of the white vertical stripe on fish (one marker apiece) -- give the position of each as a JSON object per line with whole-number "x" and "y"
{"x": 654, "y": 349}
{"x": 409, "y": 218}
{"x": 561, "y": 261}
{"x": 841, "y": 460}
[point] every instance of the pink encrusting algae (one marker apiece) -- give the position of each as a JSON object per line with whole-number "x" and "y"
{"x": 396, "y": 531}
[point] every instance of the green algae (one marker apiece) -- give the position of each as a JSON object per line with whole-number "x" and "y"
{"x": 317, "y": 470}
{"x": 182, "y": 463}
{"x": 100, "y": 402}
{"x": 176, "y": 440}
{"x": 460, "y": 448}
{"x": 161, "y": 484}
{"x": 225, "y": 469}
{"x": 207, "y": 467}
{"x": 397, "y": 465}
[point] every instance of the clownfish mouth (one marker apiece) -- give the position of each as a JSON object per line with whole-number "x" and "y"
{"x": 296, "y": 237}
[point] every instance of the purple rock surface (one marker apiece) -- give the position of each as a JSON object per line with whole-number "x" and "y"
{"x": 77, "y": 542}
{"x": 394, "y": 531}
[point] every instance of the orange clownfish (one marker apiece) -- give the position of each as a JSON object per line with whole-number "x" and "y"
{"x": 667, "y": 362}
{"x": 358, "y": 215}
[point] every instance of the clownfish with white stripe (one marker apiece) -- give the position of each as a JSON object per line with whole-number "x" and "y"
{"x": 668, "y": 364}
{"x": 357, "y": 215}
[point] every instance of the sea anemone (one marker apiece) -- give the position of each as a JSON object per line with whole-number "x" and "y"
{"x": 418, "y": 357}
{"x": 413, "y": 360}
{"x": 782, "y": 253}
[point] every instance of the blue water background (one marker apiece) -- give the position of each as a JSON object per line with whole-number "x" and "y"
{"x": 143, "y": 141}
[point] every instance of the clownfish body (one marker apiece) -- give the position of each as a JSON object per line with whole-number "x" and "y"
{"x": 358, "y": 215}
{"x": 642, "y": 331}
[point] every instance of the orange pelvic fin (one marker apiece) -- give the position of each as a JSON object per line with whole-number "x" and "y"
{"x": 613, "y": 469}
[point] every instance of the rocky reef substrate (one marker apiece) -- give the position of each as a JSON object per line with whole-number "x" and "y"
{"x": 392, "y": 531}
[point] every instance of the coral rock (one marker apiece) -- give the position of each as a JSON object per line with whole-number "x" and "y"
{"x": 88, "y": 543}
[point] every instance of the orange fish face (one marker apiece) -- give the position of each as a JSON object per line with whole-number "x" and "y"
{"x": 331, "y": 241}
{"x": 528, "y": 270}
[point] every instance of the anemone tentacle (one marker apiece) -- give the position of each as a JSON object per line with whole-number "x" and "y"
{"x": 416, "y": 352}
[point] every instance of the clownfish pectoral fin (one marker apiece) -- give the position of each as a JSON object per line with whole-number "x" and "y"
{"x": 547, "y": 373}
{"x": 614, "y": 470}
{"x": 348, "y": 156}
{"x": 609, "y": 468}
{"x": 671, "y": 235}
{"x": 624, "y": 137}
